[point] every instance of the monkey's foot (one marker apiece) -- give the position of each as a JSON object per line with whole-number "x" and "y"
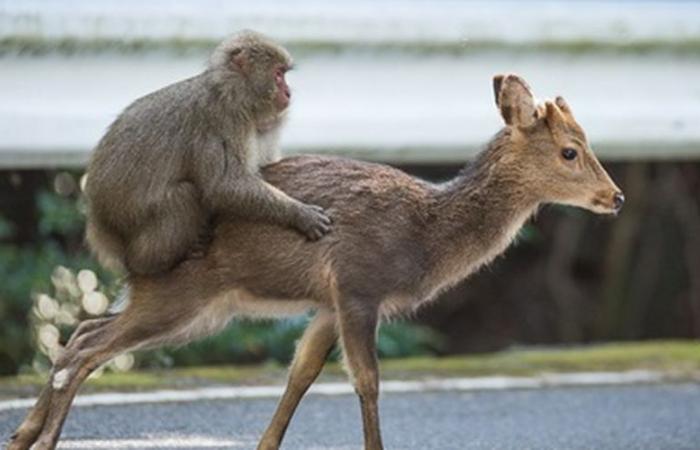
{"x": 197, "y": 253}
{"x": 200, "y": 248}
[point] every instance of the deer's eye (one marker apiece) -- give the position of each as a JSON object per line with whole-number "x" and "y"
{"x": 569, "y": 154}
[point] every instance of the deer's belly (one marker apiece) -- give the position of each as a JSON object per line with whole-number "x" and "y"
{"x": 220, "y": 310}
{"x": 244, "y": 303}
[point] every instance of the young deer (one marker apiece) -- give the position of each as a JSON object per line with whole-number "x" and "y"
{"x": 397, "y": 242}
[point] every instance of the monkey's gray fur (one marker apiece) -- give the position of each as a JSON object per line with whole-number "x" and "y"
{"x": 176, "y": 159}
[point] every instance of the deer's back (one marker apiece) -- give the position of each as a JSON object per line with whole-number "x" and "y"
{"x": 377, "y": 243}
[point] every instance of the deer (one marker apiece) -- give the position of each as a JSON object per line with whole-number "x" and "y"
{"x": 397, "y": 242}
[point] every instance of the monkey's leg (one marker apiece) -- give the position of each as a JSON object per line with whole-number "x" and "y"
{"x": 30, "y": 428}
{"x": 107, "y": 247}
{"x": 168, "y": 238}
{"x": 312, "y": 350}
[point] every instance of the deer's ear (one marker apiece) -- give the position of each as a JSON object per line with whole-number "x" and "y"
{"x": 555, "y": 116}
{"x": 497, "y": 85}
{"x": 564, "y": 107}
{"x": 515, "y": 100}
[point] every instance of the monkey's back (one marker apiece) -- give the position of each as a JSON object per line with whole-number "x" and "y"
{"x": 137, "y": 162}
{"x": 145, "y": 148}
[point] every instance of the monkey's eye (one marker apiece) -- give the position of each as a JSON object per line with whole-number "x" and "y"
{"x": 569, "y": 153}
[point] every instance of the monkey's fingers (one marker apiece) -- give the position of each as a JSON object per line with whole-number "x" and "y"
{"x": 315, "y": 222}
{"x": 326, "y": 218}
{"x": 318, "y": 231}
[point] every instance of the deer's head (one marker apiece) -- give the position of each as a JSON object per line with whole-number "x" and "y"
{"x": 550, "y": 150}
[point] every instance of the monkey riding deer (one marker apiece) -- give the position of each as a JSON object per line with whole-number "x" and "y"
{"x": 397, "y": 242}
{"x": 188, "y": 154}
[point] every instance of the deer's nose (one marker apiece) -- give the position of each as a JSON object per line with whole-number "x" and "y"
{"x": 618, "y": 200}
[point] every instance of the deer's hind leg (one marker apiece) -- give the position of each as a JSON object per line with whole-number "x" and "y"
{"x": 27, "y": 432}
{"x": 32, "y": 425}
{"x": 144, "y": 324}
{"x": 313, "y": 349}
{"x": 70, "y": 372}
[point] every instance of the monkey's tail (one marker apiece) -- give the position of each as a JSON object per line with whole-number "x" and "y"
{"x": 108, "y": 248}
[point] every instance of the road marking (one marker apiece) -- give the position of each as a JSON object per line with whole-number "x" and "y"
{"x": 155, "y": 442}
{"x": 446, "y": 384}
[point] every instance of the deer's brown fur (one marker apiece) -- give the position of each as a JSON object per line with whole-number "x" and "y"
{"x": 397, "y": 242}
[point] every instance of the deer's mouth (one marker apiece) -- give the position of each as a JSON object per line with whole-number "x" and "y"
{"x": 608, "y": 203}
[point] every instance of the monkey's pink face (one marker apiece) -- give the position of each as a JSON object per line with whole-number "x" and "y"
{"x": 283, "y": 94}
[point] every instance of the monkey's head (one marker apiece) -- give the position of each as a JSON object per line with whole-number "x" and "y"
{"x": 257, "y": 64}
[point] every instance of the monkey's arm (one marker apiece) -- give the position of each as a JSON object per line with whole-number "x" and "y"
{"x": 229, "y": 187}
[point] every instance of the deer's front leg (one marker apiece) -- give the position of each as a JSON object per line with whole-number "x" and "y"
{"x": 358, "y": 334}
{"x": 311, "y": 354}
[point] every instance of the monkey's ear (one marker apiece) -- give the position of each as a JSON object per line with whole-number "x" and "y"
{"x": 239, "y": 60}
{"x": 515, "y": 100}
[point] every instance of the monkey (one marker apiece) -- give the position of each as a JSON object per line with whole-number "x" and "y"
{"x": 177, "y": 159}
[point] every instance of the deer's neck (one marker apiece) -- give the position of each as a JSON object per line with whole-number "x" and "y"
{"x": 478, "y": 214}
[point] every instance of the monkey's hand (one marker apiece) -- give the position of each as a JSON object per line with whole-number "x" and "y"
{"x": 312, "y": 221}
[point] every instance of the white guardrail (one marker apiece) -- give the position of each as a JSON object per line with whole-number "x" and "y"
{"x": 400, "y": 81}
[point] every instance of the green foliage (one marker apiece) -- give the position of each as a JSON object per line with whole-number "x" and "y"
{"x": 256, "y": 341}
{"x": 401, "y": 339}
{"x": 243, "y": 341}
{"x": 26, "y": 270}
{"x": 31, "y": 44}
{"x": 7, "y": 228}
{"x": 59, "y": 215}
{"x": 529, "y": 234}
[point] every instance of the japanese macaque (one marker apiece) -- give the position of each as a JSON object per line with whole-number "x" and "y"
{"x": 177, "y": 159}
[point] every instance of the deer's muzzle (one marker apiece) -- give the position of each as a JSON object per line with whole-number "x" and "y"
{"x": 618, "y": 201}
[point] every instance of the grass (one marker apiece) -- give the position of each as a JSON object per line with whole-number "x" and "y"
{"x": 676, "y": 358}
{"x": 679, "y": 357}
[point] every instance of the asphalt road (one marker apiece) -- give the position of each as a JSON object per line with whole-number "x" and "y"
{"x": 624, "y": 417}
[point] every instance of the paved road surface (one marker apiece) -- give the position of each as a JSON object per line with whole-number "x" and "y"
{"x": 630, "y": 417}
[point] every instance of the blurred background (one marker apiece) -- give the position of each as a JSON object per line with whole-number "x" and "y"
{"x": 402, "y": 82}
